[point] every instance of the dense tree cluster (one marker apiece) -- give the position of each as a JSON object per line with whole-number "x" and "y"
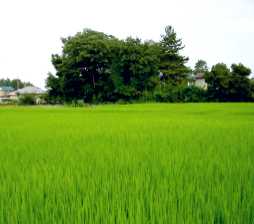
{"x": 95, "y": 67}
{"x": 226, "y": 84}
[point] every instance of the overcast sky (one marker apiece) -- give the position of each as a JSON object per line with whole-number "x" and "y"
{"x": 213, "y": 30}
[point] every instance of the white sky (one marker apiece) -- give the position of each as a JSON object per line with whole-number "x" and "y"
{"x": 213, "y": 30}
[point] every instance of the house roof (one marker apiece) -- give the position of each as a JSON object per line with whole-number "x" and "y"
{"x": 30, "y": 90}
{"x": 200, "y": 76}
{"x": 193, "y": 77}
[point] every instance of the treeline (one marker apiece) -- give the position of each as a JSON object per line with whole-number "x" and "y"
{"x": 14, "y": 83}
{"x": 94, "y": 67}
{"x": 232, "y": 85}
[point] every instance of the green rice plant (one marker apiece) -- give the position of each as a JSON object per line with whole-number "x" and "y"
{"x": 140, "y": 163}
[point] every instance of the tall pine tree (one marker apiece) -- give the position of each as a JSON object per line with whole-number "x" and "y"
{"x": 172, "y": 63}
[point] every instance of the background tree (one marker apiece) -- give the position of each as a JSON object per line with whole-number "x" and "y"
{"x": 252, "y": 89}
{"x": 97, "y": 67}
{"x": 55, "y": 89}
{"x": 218, "y": 82}
{"x": 14, "y": 83}
{"x": 83, "y": 68}
{"x": 200, "y": 67}
{"x": 172, "y": 63}
{"x": 240, "y": 86}
{"x": 135, "y": 68}
{"x": 226, "y": 85}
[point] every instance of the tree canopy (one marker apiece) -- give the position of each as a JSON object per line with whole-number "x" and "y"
{"x": 229, "y": 85}
{"x": 172, "y": 63}
{"x": 96, "y": 67}
{"x": 14, "y": 83}
{"x": 200, "y": 67}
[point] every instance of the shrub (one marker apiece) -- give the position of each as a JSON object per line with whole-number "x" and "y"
{"x": 75, "y": 103}
{"x": 180, "y": 94}
{"x": 27, "y": 99}
{"x": 8, "y": 102}
{"x": 194, "y": 94}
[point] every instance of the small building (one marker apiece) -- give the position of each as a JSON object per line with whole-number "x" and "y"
{"x": 4, "y": 92}
{"x": 29, "y": 90}
{"x": 7, "y": 94}
{"x": 197, "y": 80}
{"x": 200, "y": 81}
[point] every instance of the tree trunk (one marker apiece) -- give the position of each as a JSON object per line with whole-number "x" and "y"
{"x": 93, "y": 81}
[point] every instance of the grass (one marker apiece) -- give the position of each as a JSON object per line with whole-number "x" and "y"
{"x": 143, "y": 163}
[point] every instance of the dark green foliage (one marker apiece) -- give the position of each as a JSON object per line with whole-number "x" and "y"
{"x": 180, "y": 94}
{"x": 27, "y": 99}
{"x": 83, "y": 68}
{"x": 200, "y": 67}
{"x": 240, "y": 86}
{"x": 229, "y": 85}
{"x": 194, "y": 94}
{"x": 172, "y": 64}
{"x": 252, "y": 89}
{"x": 96, "y": 67}
{"x": 55, "y": 93}
{"x": 135, "y": 69}
{"x": 218, "y": 82}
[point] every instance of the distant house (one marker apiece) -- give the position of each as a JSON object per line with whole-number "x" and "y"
{"x": 197, "y": 80}
{"x": 29, "y": 90}
{"x": 4, "y": 92}
{"x": 7, "y": 94}
{"x": 200, "y": 81}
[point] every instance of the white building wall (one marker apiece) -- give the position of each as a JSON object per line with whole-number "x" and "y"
{"x": 201, "y": 83}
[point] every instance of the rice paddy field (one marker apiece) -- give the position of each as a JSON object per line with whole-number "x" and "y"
{"x": 141, "y": 163}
